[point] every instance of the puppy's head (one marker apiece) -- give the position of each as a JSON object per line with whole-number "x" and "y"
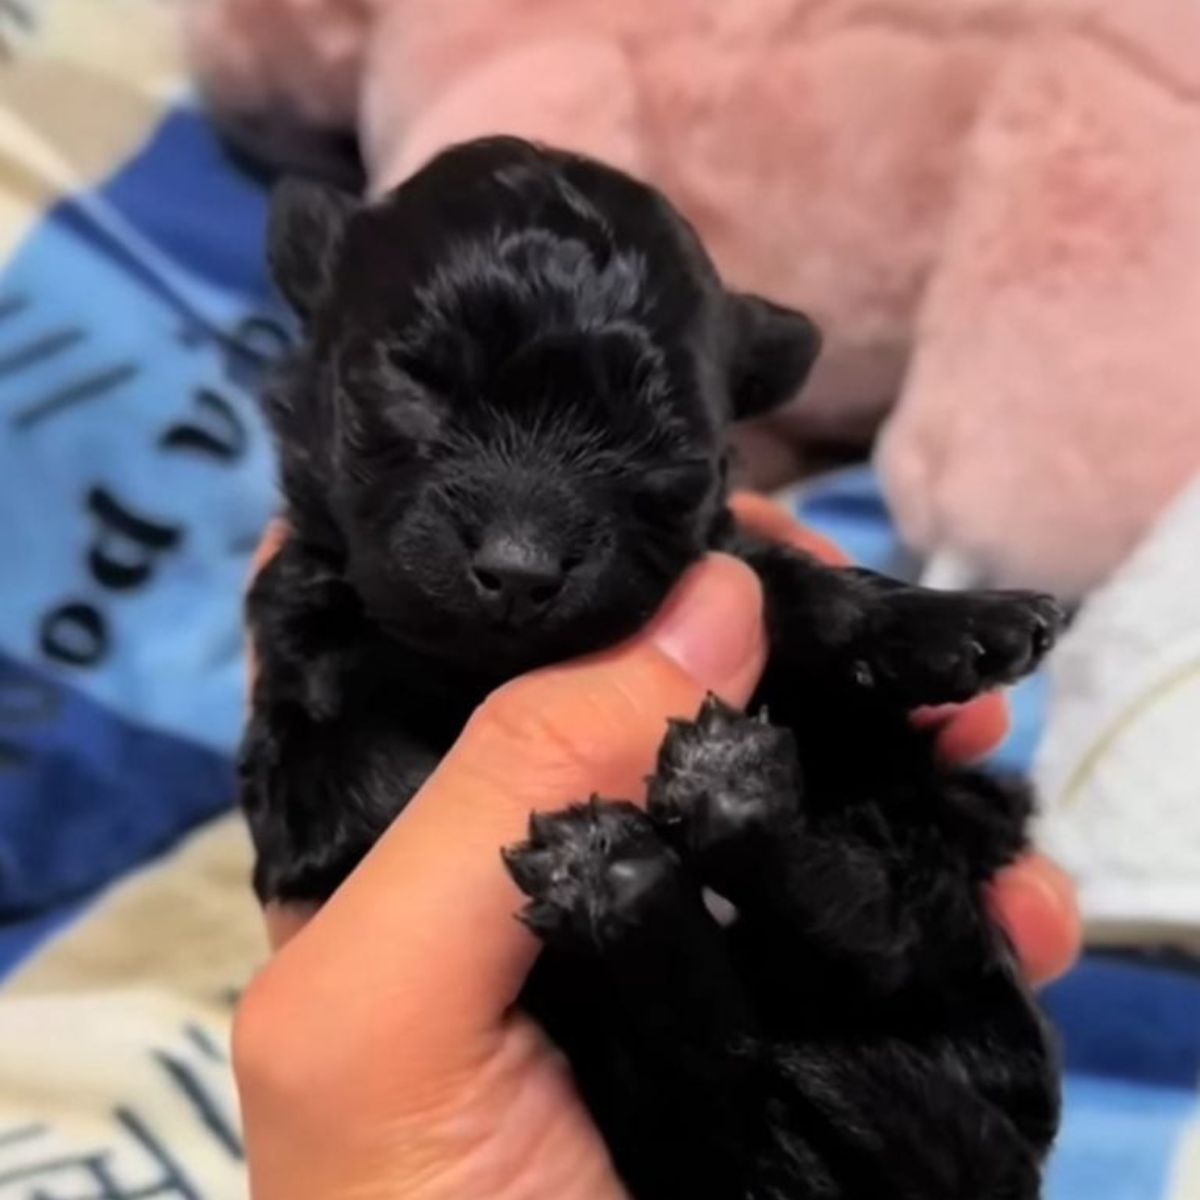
{"x": 508, "y": 419}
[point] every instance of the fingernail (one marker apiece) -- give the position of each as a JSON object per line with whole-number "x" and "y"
{"x": 1035, "y": 902}
{"x": 711, "y": 625}
{"x": 1045, "y": 883}
{"x": 934, "y": 714}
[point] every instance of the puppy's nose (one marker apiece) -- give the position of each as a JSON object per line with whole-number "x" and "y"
{"x": 517, "y": 577}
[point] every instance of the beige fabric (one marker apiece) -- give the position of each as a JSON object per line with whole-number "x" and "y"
{"x": 79, "y": 91}
{"x": 189, "y": 926}
{"x": 113, "y": 1040}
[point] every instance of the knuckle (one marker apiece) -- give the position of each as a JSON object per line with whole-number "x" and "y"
{"x": 523, "y": 722}
{"x": 263, "y": 1046}
{"x": 580, "y": 725}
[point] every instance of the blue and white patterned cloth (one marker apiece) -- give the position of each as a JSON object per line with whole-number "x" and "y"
{"x": 135, "y": 477}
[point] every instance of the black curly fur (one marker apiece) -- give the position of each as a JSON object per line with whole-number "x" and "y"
{"x": 502, "y": 441}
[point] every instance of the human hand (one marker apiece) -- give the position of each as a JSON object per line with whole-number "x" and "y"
{"x": 379, "y": 1054}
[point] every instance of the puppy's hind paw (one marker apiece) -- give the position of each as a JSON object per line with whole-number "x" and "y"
{"x": 722, "y": 779}
{"x": 591, "y": 872}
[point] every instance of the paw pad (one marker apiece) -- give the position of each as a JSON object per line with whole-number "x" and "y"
{"x": 722, "y": 777}
{"x": 589, "y": 870}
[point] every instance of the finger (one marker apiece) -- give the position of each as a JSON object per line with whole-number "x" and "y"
{"x": 1035, "y": 902}
{"x": 763, "y": 517}
{"x": 969, "y": 732}
{"x": 284, "y": 921}
{"x": 425, "y": 926}
{"x": 272, "y": 538}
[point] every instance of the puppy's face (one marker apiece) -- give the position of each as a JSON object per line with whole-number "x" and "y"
{"x": 511, "y": 408}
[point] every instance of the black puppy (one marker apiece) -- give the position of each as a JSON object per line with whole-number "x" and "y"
{"x": 502, "y": 442}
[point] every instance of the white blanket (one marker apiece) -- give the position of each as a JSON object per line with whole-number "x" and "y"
{"x": 1119, "y": 767}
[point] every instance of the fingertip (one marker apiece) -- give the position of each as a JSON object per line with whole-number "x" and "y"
{"x": 268, "y": 546}
{"x": 273, "y": 537}
{"x": 712, "y": 627}
{"x": 284, "y": 921}
{"x": 767, "y": 519}
{"x": 1035, "y": 901}
{"x": 968, "y": 732}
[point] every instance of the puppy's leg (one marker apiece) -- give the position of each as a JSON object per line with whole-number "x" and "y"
{"x": 986, "y": 816}
{"x": 825, "y": 921}
{"x": 324, "y": 764}
{"x": 672, "y": 1091}
{"x": 874, "y": 636}
{"x": 727, "y": 796}
{"x": 882, "y": 1117}
{"x": 318, "y": 795}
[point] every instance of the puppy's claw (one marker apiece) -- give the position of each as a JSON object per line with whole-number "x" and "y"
{"x": 714, "y": 713}
{"x": 929, "y": 647}
{"x": 539, "y": 919}
{"x": 528, "y": 866}
{"x": 540, "y": 829}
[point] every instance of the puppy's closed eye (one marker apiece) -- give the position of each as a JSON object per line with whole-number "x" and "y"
{"x": 673, "y": 491}
{"x": 381, "y": 405}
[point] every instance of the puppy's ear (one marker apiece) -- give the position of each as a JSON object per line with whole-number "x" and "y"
{"x": 304, "y": 234}
{"x": 774, "y": 349}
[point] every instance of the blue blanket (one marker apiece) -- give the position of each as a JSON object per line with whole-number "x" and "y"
{"x": 135, "y": 476}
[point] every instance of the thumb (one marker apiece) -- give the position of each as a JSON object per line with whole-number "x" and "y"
{"x": 424, "y": 929}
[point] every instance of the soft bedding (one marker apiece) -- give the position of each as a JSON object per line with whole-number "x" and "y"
{"x": 135, "y": 477}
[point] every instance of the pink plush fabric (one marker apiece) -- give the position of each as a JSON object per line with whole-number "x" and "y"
{"x": 989, "y": 205}
{"x": 303, "y": 57}
{"x": 1053, "y": 404}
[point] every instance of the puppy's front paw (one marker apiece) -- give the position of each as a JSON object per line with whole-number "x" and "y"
{"x": 591, "y": 872}
{"x": 927, "y": 647}
{"x": 722, "y": 779}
